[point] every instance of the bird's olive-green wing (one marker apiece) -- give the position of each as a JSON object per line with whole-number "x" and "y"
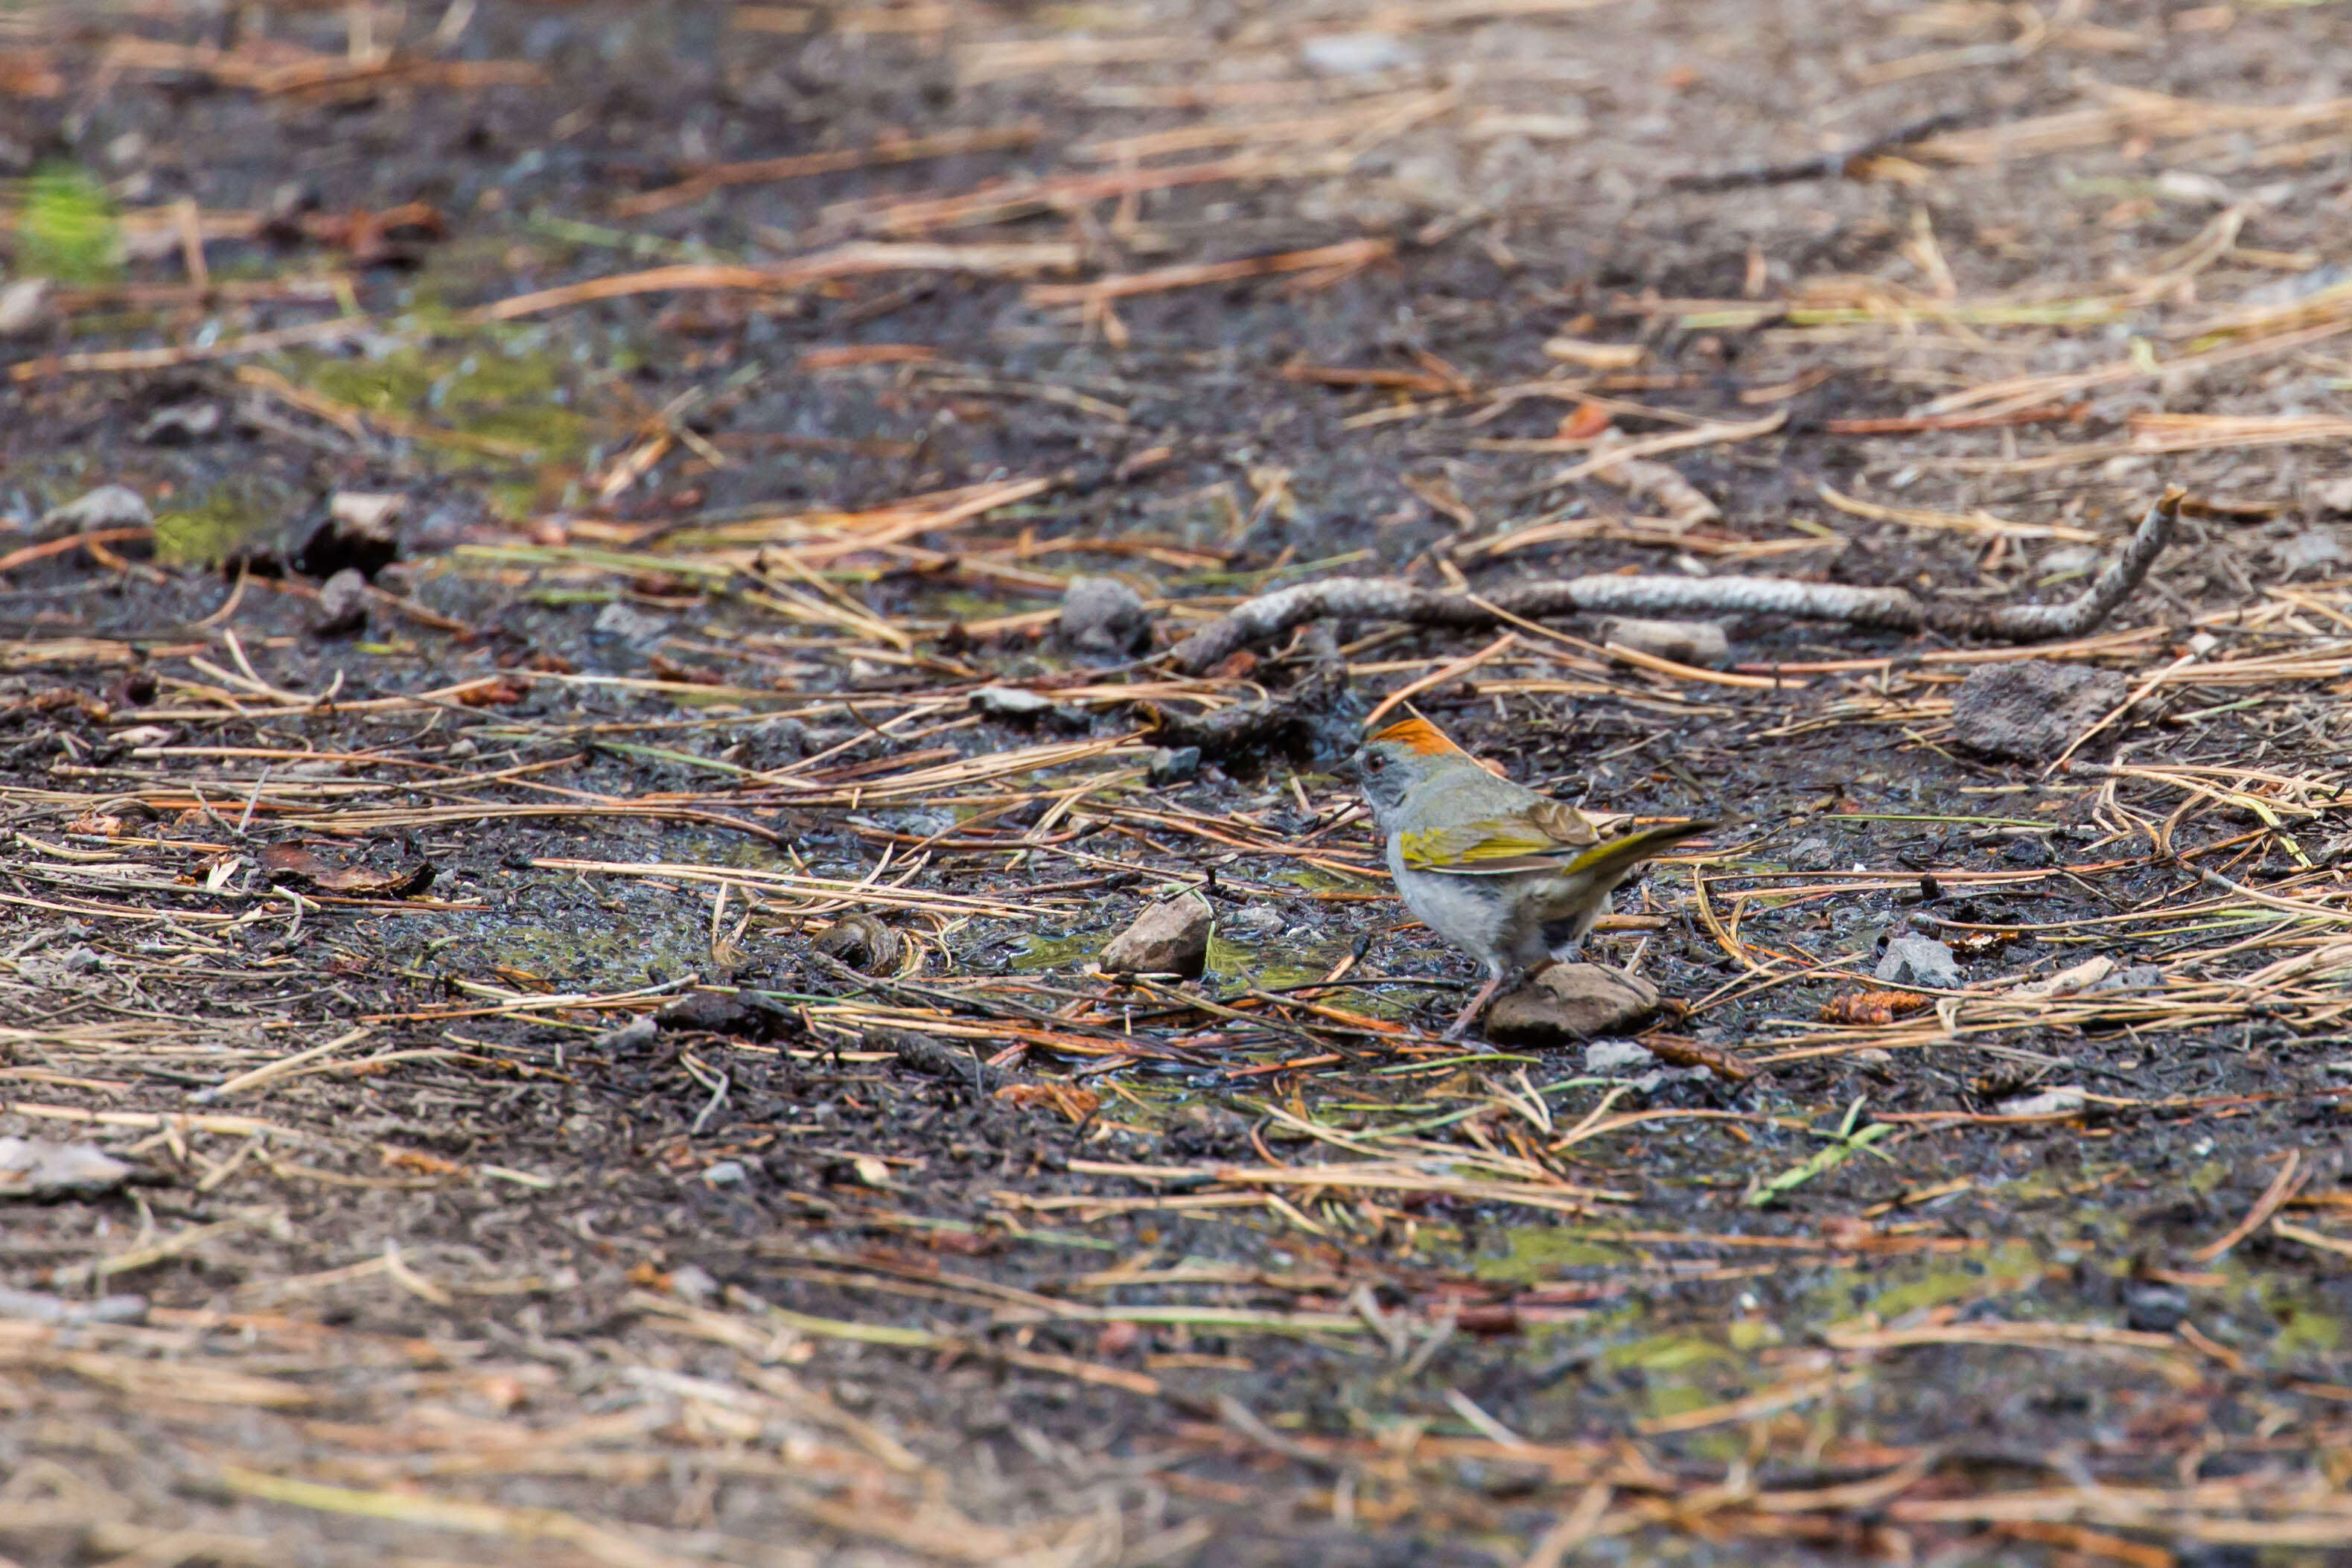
{"x": 1488, "y": 849}
{"x": 1501, "y": 845}
{"x": 1532, "y": 840}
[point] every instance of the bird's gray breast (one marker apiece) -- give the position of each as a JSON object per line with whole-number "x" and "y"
{"x": 1468, "y": 911}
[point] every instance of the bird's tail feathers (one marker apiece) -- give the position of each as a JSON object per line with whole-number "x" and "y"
{"x": 1627, "y": 850}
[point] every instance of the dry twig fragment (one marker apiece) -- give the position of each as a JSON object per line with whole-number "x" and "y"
{"x": 764, "y": 171}
{"x": 842, "y": 261}
{"x": 1388, "y": 599}
{"x": 1875, "y": 1006}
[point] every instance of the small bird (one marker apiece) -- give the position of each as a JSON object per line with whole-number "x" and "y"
{"x": 1511, "y": 877}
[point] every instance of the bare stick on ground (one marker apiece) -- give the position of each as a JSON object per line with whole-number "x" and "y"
{"x": 1894, "y": 609}
{"x": 1829, "y": 165}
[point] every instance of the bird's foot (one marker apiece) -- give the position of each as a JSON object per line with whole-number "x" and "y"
{"x": 1477, "y": 1005}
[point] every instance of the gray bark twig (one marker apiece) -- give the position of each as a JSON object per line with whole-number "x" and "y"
{"x": 1892, "y": 609}
{"x": 1829, "y": 165}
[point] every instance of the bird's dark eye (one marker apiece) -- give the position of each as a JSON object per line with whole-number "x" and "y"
{"x": 1375, "y": 762}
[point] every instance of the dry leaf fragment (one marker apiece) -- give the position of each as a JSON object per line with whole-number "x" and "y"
{"x": 1596, "y": 356}
{"x": 1875, "y": 1006}
{"x": 1234, "y": 666}
{"x": 665, "y": 668}
{"x": 419, "y": 1162}
{"x": 1585, "y": 422}
{"x": 1657, "y": 483}
{"x": 1687, "y": 1053}
{"x": 394, "y": 237}
{"x": 29, "y": 73}
{"x": 290, "y": 864}
{"x": 1072, "y": 1102}
{"x": 492, "y": 693}
{"x": 54, "y": 701}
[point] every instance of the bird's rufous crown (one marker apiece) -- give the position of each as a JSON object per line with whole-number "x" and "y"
{"x": 1419, "y": 736}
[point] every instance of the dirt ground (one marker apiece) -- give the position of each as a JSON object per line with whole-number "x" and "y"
{"x": 581, "y": 1026}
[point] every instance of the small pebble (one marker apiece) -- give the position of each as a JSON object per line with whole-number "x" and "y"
{"x": 1168, "y": 938}
{"x": 25, "y": 307}
{"x": 689, "y": 1282}
{"x": 1618, "y": 1057}
{"x": 634, "y": 1034}
{"x": 108, "y": 506}
{"x": 342, "y": 606}
{"x": 2154, "y": 1308}
{"x": 1919, "y": 961}
{"x": 1356, "y": 54}
{"x": 1104, "y": 618}
{"x": 1173, "y": 766}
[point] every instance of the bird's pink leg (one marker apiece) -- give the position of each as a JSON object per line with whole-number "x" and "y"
{"x": 1477, "y": 1005}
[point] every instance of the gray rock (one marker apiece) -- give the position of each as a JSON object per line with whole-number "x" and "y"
{"x": 2188, "y": 186}
{"x": 629, "y": 623}
{"x": 343, "y": 603}
{"x": 2154, "y": 1308}
{"x": 2334, "y": 495}
{"x": 688, "y": 1281}
{"x": 2137, "y": 978}
{"x": 1700, "y": 643}
{"x": 1619, "y": 1057}
{"x": 1170, "y": 937}
{"x": 38, "y": 1169}
{"x": 1919, "y": 961}
{"x": 1173, "y": 766}
{"x": 109, "y": 506}
{"x": 1019, "y": 706}
{"x": 1566, "y": 1004}
{"x": 635, "y": 1034}
{"x": 1011, "y": 702}
{"x": 25, "y": 307}
{"x": 1356, "y": 54}
{"x": 725, "y": 1174}
{"x": 367, "y": 514}
{"x": 2032, "y": 710}
{"x": 1104, "y": 618}
{"x": 1815, "y": 853}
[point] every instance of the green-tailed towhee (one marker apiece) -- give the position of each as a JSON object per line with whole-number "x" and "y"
{"x": 1511, "y": 877}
